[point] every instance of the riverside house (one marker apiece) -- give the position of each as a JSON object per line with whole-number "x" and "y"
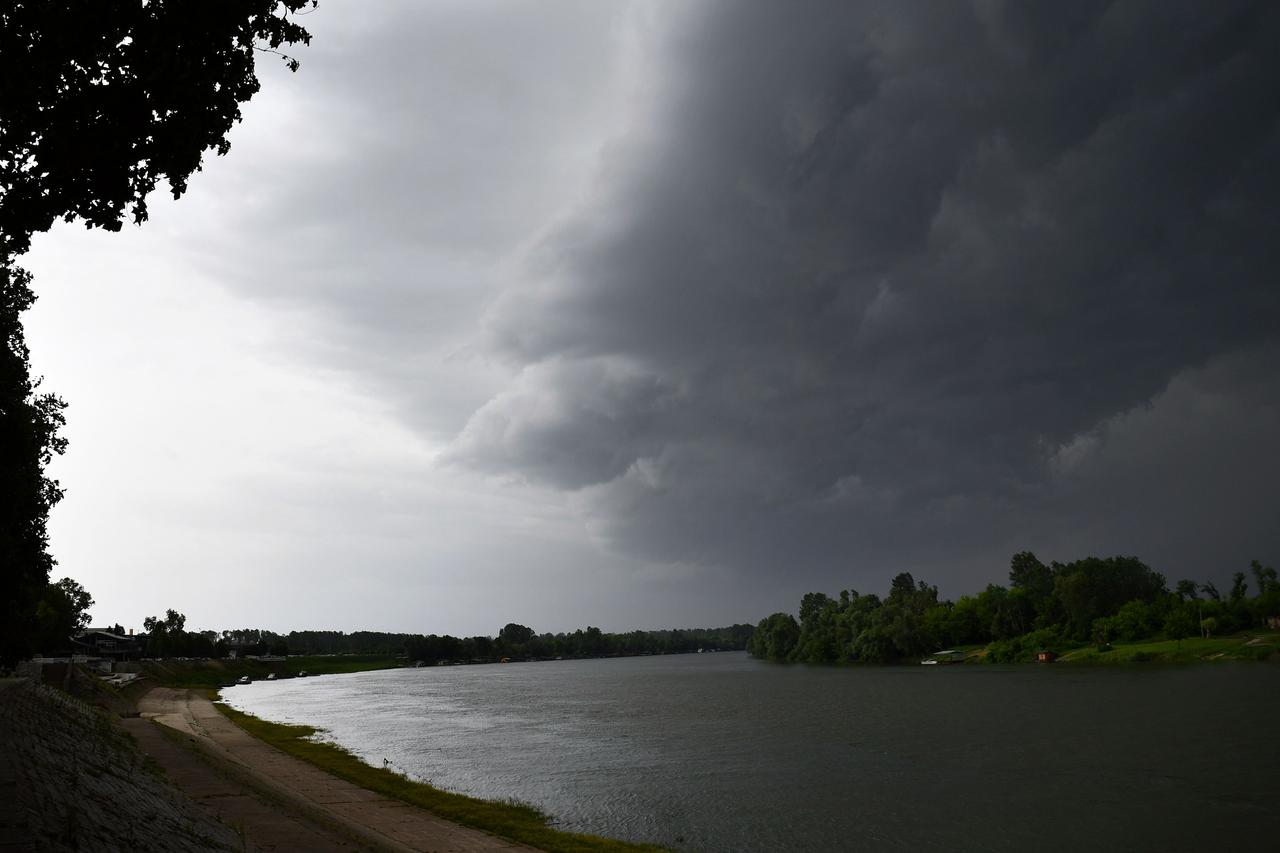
{"x": 99, "y": 642}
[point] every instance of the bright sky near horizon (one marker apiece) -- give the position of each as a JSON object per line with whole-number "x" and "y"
{"x": 654, "y": 314}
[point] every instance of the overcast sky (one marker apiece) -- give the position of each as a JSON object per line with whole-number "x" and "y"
{"x": 661, "y": 314}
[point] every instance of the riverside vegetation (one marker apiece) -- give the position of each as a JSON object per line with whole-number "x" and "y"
{"x": 167, "y": 637}
{"x": 1102, "y": 608}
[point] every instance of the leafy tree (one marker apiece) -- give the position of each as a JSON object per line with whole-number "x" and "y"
{"x": 1014, "y": 613}
{"x": 819, "y": 629}
{"x": 1239, "y": 588}
{"x": 165, "y": 635}
{"x": 1266, "y": 606}
{"x": 1094, "y": 587}
{"x": 1264, "y": 575}
{"x": 1135, "y": 620}
{"x": 1026, "y": 572}
{"x": 938, "y": 626}
{"x": 29, "y": 426}
{"x": 63, "y": 611}
{"x": 970, "y": 621}
{"x": 99, "y": 103}
{"x": 875, "y": 644}
{"x": 1187, "y": 590}
{"x": 1180, "y": 624}
{"x": 902, "y": 590}
{"x": 172, "y": 622}
{"x": 1104, "y": 631}
{"x": 513, "y": 634}
{"x": 775, "y": 637}
{"x": 812, "y": 606}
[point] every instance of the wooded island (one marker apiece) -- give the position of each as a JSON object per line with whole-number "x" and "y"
{"x": 1056, "y": 607}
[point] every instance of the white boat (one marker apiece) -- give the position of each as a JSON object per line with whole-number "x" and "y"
{"x": 244, "y": 679}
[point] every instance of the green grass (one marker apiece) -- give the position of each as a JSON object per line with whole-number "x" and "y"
{"x": 517, "y": 822}
{"x": 1250, "y": 647}
{"x": 219, "y": 673}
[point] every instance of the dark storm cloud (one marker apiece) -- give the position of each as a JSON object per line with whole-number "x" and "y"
{"x": 379, "y": 188}
{"x": 876, "y": 275}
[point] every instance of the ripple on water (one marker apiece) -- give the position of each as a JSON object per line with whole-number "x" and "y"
{"x": 731, "y": 754}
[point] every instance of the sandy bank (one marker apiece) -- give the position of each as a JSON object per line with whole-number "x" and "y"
{"x": 347, "y": 815}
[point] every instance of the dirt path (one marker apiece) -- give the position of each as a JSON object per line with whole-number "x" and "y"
{"x": 311, "y": 811}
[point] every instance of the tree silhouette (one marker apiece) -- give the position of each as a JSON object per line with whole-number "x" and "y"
{"x": 29, "y": 424}
{"x": 99, "y": 103}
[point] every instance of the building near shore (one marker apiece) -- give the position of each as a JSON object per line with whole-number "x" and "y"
{"x": 103, "y": 643}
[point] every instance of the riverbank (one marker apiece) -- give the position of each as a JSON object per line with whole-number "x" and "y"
{"x": 508, "y": 819}
{"x": 161, "y": 768}
{"x": 71, "y": 779}
{"x": 1245, "y": 646}
{"x": 323, "y": 801}
{"x": 1239, "y": 647}
{"x": 374, "y": 803}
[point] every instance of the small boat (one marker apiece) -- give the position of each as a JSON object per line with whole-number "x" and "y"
{"x": 271, "y": 676}
{"x": 244, "y": 679}
{"x": 302, "y": 673}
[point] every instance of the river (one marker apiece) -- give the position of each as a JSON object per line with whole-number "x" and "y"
{"x": 720, "y": 752}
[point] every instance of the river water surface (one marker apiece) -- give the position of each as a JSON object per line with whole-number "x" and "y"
{"x": 720, "y": 752}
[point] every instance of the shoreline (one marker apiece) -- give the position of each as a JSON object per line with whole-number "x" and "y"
{"x": 1247, "y": 647}
{"x": 330, "y": 786}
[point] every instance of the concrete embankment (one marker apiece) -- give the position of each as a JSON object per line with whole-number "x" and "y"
{"x": 70, "y": 779}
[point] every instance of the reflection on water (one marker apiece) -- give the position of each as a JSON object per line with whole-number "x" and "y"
{"x": 719, "y": 752}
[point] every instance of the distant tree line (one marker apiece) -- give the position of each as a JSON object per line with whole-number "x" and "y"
{"x": 166, "y": 636}
{"x": 518, "y": 642}
{"x": 1054, "y": 607}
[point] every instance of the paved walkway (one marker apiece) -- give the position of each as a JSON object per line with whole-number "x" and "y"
{"x": 329, "y": 813}
{"x": 264, "y": 823}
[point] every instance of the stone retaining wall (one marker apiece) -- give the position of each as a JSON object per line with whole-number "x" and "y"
{"x": 75, "y": 781}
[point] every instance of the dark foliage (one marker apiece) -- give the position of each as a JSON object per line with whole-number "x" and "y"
{"x": 517, "y": 642}
{"x": 29, "y": 425}
{"x": 99, "y": 103}
{"x": 165, "y": 637}
{"x": 1052, "y": 607}
{"x": 61, "y": 614}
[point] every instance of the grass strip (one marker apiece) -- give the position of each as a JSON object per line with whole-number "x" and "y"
{"x": 1238, "y": 647}
{"x": 517, "y": 822}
